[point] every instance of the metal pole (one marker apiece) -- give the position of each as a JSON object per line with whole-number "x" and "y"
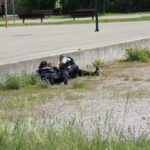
{"x": 13, "y": 3}
{"x": 96, "y": 20}
{"x": 6, "y": 23}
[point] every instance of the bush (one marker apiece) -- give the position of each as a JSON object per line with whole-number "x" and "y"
{"x": 31, "y": 79}
{"x": 12, "y": 82}
{"x": 138, "y": 54}
{"x": 97, "y": 63}
{"x": 34, "y": 79}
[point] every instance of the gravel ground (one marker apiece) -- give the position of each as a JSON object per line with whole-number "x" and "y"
{"x": 117, "y": 103}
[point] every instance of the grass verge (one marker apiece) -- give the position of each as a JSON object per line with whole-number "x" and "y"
{"x": 138, "y": 54}
{"x": 70, "y": 137}
{"x": 146, "y": 18}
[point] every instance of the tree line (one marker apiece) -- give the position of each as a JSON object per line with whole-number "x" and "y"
{"x": 70, "y": 5}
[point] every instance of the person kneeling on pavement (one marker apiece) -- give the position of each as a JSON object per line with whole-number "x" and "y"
{"x": 68, "y": 64}
{"x": 50, "y": 73}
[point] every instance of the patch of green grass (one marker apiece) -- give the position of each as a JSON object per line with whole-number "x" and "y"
{"x": 30, "y": 79}
{"x": 11, "y": 82}
{"x": 114, "y": 14}
{"x": 78, "y": 85}
{"x": 70, "y": 137}
{"x": 137, "y": 79}
{"x": 126, "y": 79}
{"x": 43, "y": 84}
{"x": 71, "y": 95}
{"x": 111, "y": 14}
{"x": 138, "y": 54}
{"x": 146, "y": 18}
{"x": 23, "y": 99}
{"x": 9, "y": 19}
{"x": 15, "y": 82}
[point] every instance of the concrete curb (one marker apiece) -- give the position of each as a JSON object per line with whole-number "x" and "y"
{"x": 82, "y": 57}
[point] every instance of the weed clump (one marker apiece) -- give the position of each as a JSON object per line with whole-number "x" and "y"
{"x": 138, "y": 54}
{"x": 15, "y": 82}
{"x": 11, "y": 82}
{"x": 97, "y": 63}
{"x": 43, "y": 84}
{"x": 30, "y": 79}
{"x": 78, "y": 85}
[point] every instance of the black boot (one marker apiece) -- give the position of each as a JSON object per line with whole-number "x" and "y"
{"x": 65, "y": 77}
{"x": 97, "y": 71}
{"x": 51, "y": 80}
{"x": 65, "y": 80}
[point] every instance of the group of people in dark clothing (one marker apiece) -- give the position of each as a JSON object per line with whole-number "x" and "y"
{"x": 67, "y": 69}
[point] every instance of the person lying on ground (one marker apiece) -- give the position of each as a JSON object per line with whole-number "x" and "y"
{"x": 50, "y": 73}
{"x": 68, "y": 64}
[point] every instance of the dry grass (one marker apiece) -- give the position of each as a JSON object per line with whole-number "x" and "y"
{"x": 115, "y": 78}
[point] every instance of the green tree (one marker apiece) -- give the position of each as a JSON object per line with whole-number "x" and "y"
{"x": 28, "y": 5}
{"x": 71, "y": 5}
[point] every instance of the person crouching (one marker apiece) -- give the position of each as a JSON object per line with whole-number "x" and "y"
{"x": 50, "y": 73}
{"x": 67, "y": 63}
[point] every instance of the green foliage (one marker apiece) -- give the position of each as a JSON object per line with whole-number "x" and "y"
{"x": 78, "y": 85}
{"x": 15, "y": 82}
{"x": 43, "y": 84}
{"x": 71, "y": 5}
{"x": 29, "y": 5}
{"x": 145, "y": 18}
{"x": 11, "y": 82}
{"x": 31, "y": 79}
{"x": 97, "y": 63}
{"x": 27, "y": 136}
{"x": 138, "y": 54}
{"x": 136, "y": 79}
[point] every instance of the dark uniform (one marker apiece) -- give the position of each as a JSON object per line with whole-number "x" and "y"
{"x": 54, "y": 77}
{"x": 68, "y": 64}
{"x": 2, "y": 9}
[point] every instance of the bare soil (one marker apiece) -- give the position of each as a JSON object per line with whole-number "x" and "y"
{"x": 117, "y": 100}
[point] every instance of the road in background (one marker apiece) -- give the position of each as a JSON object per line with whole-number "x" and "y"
{"x": 30, "y": 42}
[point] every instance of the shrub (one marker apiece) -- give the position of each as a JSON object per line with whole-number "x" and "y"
{"x": 30, "y": 79}
{"x": 12, "y": 82}
{"x": 15, "y": 82}
{"x": 137, "y": 54}
{"x": 97, "y": 63}
{"x": 34, "y": 79}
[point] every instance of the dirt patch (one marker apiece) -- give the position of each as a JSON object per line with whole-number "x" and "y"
{"x": 114, "y": 102}
{"x": 118, "y": 99}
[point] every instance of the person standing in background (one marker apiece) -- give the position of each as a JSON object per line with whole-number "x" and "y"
{"x": 58, "y": 7}
{"x": 2, "y": 9}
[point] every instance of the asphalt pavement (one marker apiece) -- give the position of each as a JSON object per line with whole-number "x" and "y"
{"x": 30, "y": 42}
